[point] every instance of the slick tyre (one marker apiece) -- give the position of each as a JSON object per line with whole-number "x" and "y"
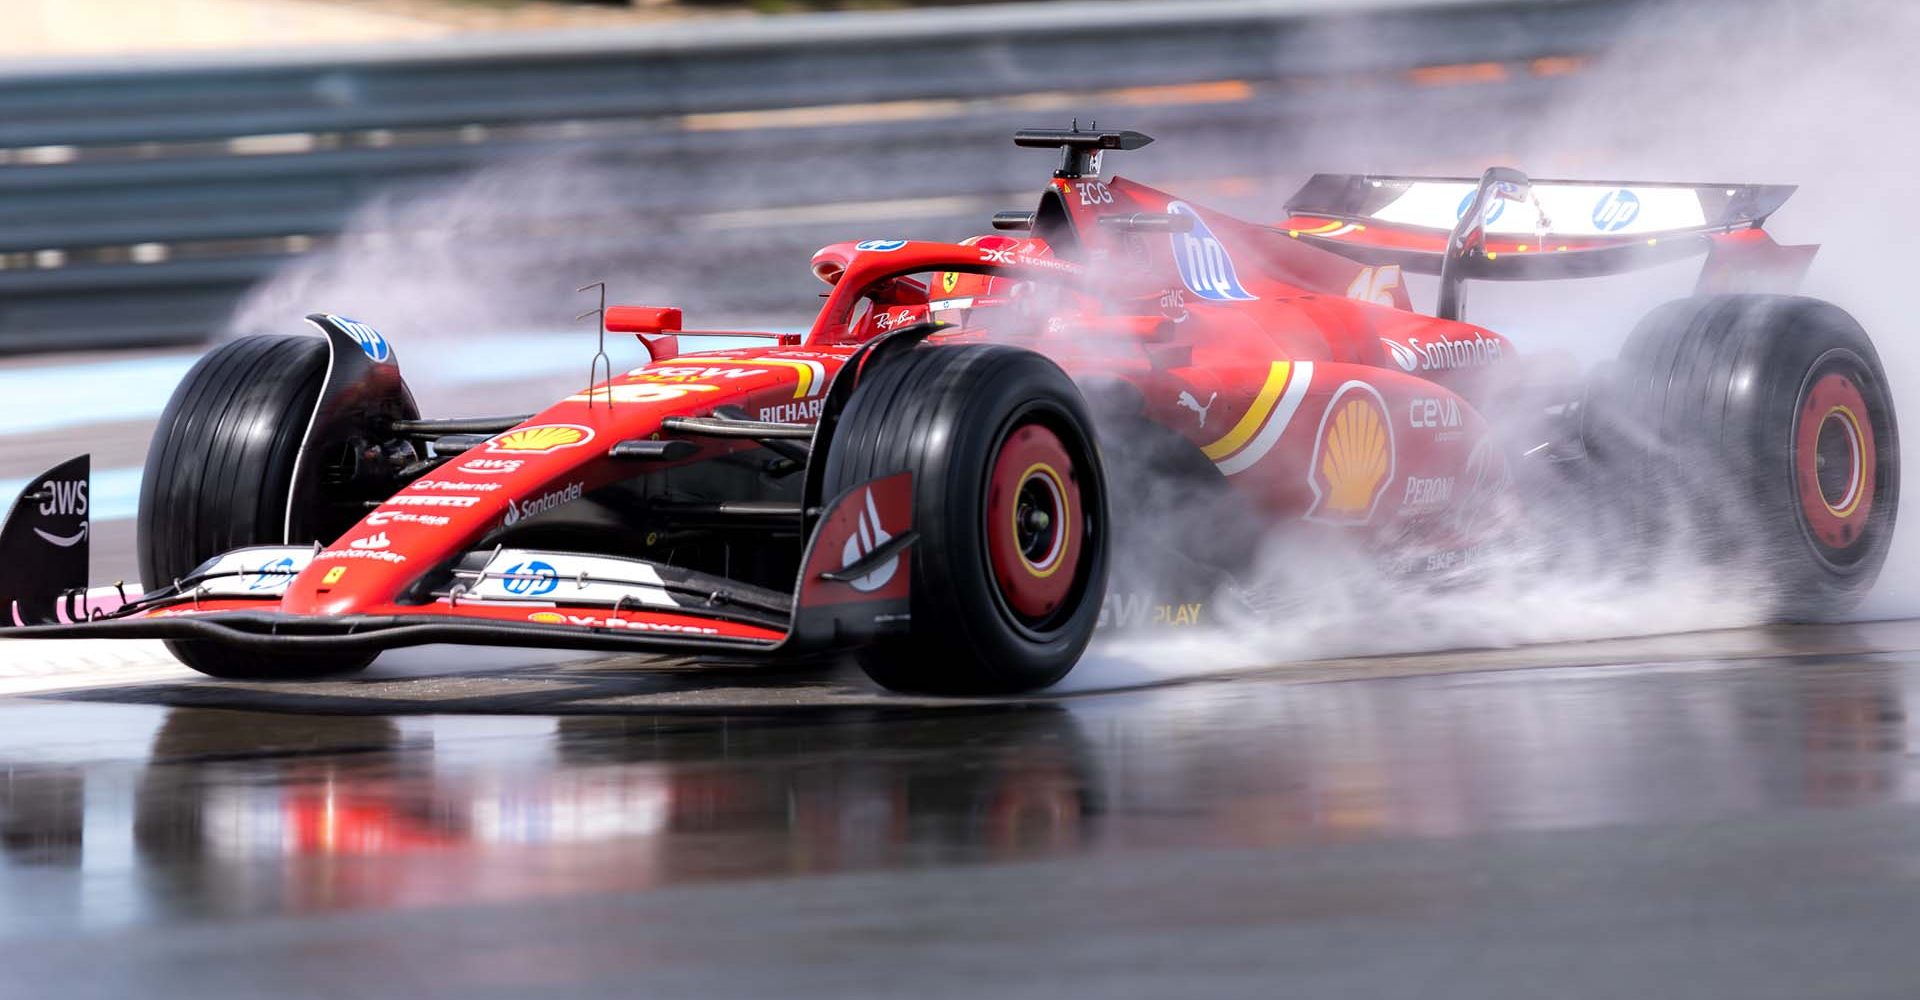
{"x": 1759, "y": 431}
{"x": 218, "y": 477}
{"x": 1010, "y": 505}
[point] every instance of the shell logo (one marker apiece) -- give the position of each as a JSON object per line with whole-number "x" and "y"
{"x": 1353, "y": 456}
{"x": 541, "y": 439}
{"x": 547, "y": 618}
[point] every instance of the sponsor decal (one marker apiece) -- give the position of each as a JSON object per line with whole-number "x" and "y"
{"x": 1427, "y": 492}
{"x": 273, "y": 574}
{"x": 638, "y": 392}
{"x": 1189, "y": 402}
{"x": 63, "y": 498}
{"x": 1444, "y": 354}
{"x": 1496, "y": 206}
{"x": 377, "y": 540}
{"x": 879, "y": 246}
{"x": 1444, "y": 561}
{"x": 517, "y": 509}
{"x": 947, "y": 305}
{"x": 1442, "y": 416}
{"x": 530, "y": 579}
{"x": 452, "y": 486}
{"x": 1402, "y": 355}
{"x": 254, "y": 572}
{"x": 382, "y": 518}
{"x": 691, "y": 374}
{"x": 431, "y": 500}
{"x": 1353, "y": 456}
{"x": 371, "y": 342}
{"x": 364, "y": 555}
{"x": 1173, "y": 305}
{"x": 1616, "y": 210}
{"x": 492, "y": 466}
{"x": 1205, "y": 266}
{"x": 1094, "y": 194}
{"x": 989, "y": 255}
{"x": 593, "y": 580}
{"x": 1134, "y": 610}
{"x": 810, "y": 378}
{"x": 890, "y": 320}
{"x": 541, "y": 439}
{"x": 1433, "y": 413}
{"x": 792, "y": 413}
{"x": 869, "y": 534}
{"x": 632, "y": 624}
{"x": 1259, "y": 429}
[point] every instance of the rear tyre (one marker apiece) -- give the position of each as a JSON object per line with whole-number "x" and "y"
{"x": 218, "y": 477}
{"x": 1763, "y": 428}
{"x": 1010, "y": 502}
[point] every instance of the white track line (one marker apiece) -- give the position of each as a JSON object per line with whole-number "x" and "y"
{"x": 34, "y": 666}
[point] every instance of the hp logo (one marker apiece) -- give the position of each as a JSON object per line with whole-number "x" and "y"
{"x": 1616, "y": 210}
{"x": 1496, "y": 207}
{"x": 530, "y": 579}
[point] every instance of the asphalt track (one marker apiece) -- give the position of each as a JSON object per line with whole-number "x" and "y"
{"x": 1724, "y": 814}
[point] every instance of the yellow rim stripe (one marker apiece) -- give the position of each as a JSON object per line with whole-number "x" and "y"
{"x": 1066, "y": 519}
{"x": 1859, "y": 464}
{"x": 1255, "y": 416}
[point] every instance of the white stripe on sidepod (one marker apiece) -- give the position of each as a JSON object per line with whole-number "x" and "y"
{"x": 1276, "y": 424}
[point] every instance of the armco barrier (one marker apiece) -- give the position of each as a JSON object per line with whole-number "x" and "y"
{"x": 137, "y": 201}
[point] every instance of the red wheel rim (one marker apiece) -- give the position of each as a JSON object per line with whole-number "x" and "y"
{"x": 1034, "y": 521}
{"x": 1834, "y": 461}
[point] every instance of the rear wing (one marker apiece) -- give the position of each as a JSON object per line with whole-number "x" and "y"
{"x": 1507, "y": 227}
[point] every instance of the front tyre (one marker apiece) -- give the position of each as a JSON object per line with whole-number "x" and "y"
{"x": 1010, "y": 503}
{"x": 1765, "y": 424}
{"x": 219, "y": 476}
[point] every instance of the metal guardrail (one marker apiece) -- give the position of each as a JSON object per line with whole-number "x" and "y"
{"x": 137, "y": 202}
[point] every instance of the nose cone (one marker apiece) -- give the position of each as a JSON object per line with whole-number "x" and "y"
{"x": 338, "y": 583}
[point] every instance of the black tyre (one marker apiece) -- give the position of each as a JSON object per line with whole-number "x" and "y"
{"x": 1010, "y": 501}
{"x": 1763, "y": 427}
{"x": 218, "y": 476}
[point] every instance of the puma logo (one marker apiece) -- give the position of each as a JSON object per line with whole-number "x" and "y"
{"x": 1189, "y": 401}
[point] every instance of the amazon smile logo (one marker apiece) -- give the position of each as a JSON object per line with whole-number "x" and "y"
{"x": 64, "y": 541}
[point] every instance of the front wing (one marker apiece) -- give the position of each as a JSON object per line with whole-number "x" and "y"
{"x": 853, "y": 585}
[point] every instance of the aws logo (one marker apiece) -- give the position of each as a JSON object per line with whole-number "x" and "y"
{"x": 63, "y": 498}
{"x": 1353, "y": 456}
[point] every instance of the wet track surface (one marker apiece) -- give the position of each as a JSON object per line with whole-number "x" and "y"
{"x": 1721, "y": 815}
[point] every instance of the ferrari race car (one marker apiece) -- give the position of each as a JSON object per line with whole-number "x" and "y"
{"x": 939, "y": 475}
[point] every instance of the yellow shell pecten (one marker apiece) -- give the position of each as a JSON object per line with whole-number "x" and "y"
{"x": 1354, "y": 460}
{"x": 545, "y": 438}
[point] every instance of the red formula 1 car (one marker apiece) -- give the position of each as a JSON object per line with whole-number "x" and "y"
{"x": 942, "y": 472}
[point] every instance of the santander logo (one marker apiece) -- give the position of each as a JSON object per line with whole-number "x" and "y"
{"x": 868, "y": 535}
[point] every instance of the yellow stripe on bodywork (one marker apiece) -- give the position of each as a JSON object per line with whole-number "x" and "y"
{"x": 1255, "y": 416}
{"x": 809, "y": 374}
{"x": 1276, "y": 425}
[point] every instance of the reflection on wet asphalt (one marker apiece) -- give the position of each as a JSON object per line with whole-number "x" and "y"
{"x": 1704, "y": 829}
